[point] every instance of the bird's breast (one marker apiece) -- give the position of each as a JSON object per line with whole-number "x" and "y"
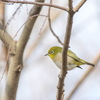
{"x": 58, "y": 61}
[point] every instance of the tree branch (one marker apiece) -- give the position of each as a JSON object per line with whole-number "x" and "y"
{"x": 79, "y": 5}
{"x": 5, "y": 37}
{"x": 62, "y": 75}
{"x": 12, "y": 16}
{"x": 97, "y": 58}
{"x": 49, "y": 20}
{"x": 37, "y": 3}
{"x": 60, "y": 91}
{"x": 16, "y": 53}
{"x": 2, "y": 13}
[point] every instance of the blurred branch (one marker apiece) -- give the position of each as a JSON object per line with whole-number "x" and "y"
{"x": 96, "y": 59}
{"x": 16, "y": 59}
{"x": 43, "y": 25}
{"x": 49, "y": 20}
{"x": 5, "y": 37}
{"x": 79, "y": 5}
{"x": 7, "y": 54}
{"x": 9, "y": 20}
{"x": 27, "y": 21}
{"x": 4, "y": 49}
{"x": 60, "y": 92}
{"x": 7, "y": 63}
{"x": 2, "y": 11}
{"x": 37, "y": 3}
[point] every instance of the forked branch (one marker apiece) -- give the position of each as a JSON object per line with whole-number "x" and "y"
{"x": 71, "y": 12}
{"x": 4, "y": 36}
{"x": 16, "y": 59}
{"x": 79, "y": 5}
{"x": 60, "y": 91}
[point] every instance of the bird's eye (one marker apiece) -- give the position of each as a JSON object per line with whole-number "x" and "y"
{"x": 52, "y": 52}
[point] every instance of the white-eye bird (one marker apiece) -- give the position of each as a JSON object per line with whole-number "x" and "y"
{"x": 55, "y": 53}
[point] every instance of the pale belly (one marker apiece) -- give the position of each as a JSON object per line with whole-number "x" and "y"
{"x": 69, "y": 65}
{"x": 58, "y": 62}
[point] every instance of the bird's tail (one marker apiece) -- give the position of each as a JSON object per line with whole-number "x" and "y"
{"x": 90, "y": 64}
{"x": 85, "y": 62}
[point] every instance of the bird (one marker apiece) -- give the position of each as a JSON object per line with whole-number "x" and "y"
{"x": 55, "y": 53}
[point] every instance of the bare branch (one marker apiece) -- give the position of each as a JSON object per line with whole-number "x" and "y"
{"x": 28, "y": 27}
{"x": 10, "y": 19}
{"x": 5, "y": 37}
{"x": 97, "y": 58}
{"x": 49, "y": 20}
{"x": 79, "y": 5}
{"x": 6, "y": 67}
{"x": 37, "y": 3}
{"x": 26, "y": 22}
{"x": 2, "y": 10}
{"x": 16, "y": 60}
{"x": 42, "y": 26}
{"x": 60, "y": 92}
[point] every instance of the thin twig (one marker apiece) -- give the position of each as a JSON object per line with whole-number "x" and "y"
{"x": 79, "y": 5}
{"x": 96, "y": 59}
{"x": 42, "y": 25}
{"x": 49, "y": 20}
{"x": 10, "y": 19}
{"x": 26, "y": 22}
{"x": 37, "y": 3}
{"x": 5, "y": 67}
{"x": 26, "y": 7}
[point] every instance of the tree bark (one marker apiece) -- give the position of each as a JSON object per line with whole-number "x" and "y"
{"x": 16, "y": 50}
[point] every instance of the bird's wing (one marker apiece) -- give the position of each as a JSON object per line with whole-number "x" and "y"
{"x": 73, "y": 55}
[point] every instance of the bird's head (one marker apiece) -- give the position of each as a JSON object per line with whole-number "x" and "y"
{"x": 53, "y": 51}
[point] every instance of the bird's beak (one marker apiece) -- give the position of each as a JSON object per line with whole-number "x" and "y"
{"x": 46, "y": 54}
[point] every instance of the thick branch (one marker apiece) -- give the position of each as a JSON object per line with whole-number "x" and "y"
{"x": 37, "y": 3}
{"x": 17, "y": 56}
{"x": 29, "y": 25}
{"x": 64, "y": 53}
{"x": 5, "y": 37}
{"x": 97, "y": 58}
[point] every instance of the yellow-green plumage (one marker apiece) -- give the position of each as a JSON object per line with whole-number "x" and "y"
{"x": 55, "y": 53}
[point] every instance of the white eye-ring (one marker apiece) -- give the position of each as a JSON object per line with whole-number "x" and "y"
{"x": 52, "y": 52}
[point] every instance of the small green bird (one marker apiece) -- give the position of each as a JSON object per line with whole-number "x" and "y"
{"x": 55, "y": 53}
